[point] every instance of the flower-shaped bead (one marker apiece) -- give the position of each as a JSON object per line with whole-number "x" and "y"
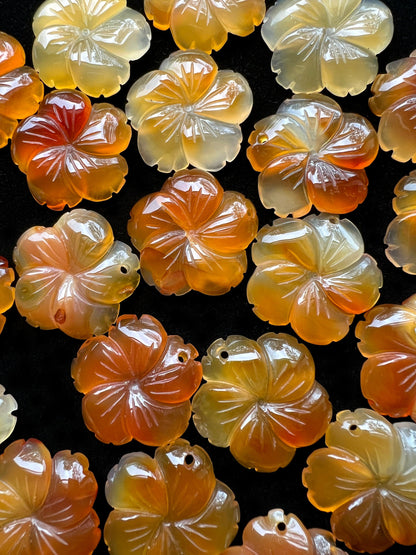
{"x": 170, "y": 504}
{"x": 327, "y": 43}
{"x": 6, "y": 290}
{"x": 70, "y": 150}
{"x": 313, "y": 274}
{"x": 388, "y": 340}
{"x": 21, "y": 90}
{"x": 73, "y": 275}
{"x": 188, "y": 113}
{"x": 308, "y": 153}
{"x": 367, "y": 478}
{"x": 394, "y": 101}
{"x": 137, "y": 382}
{"x": 46, "y": 503}
{"x": 401, "y": 248}
{"x": 205, "y": 24}
{"x": 193, "y": 235}
{"x": 285, "y": 534}
{"x": 88, "y": 44}
{"x": 261, "y": 399}
{"x": 7, "y": 419}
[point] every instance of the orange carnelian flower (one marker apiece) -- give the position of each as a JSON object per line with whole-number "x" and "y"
{"x": 388, "y": 341}
{"x": 170, "y": 504}
{"x": 367, "y": 478}
{"x": 70, "y": 150}
{"x": 137, "y": 382}
{"x": 21, "y": 90}
{"x": 394, "y": 101}
{"x": 205, "y": 24}
{"x": 46, "y": 503}
{"x": 313, "y": 274}
{"x": 310, "y": 153}
{"x": 277, "y": 533}
{"x": 6, "y": 291}
{"x": 261, "y": 399}
{"x": 193, "y": 235}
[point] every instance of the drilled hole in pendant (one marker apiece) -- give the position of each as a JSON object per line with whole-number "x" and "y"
{"x": 189, "y": 459}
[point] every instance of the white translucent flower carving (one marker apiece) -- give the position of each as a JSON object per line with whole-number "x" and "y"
{"x": 7, "y": 419}
{"x": 88, "y": 44}
{"x": 327, "y": 43}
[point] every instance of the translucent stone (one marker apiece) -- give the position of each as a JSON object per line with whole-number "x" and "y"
{"x": 6, "y": 291}
{"x": 7, "y": 419}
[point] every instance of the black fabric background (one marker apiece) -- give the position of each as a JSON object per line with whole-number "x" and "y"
{"x": 35, "y": 364}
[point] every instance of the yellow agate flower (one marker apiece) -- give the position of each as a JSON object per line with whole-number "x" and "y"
{"x": 88, "y": 44}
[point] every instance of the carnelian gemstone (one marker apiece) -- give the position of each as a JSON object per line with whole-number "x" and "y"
{"x": 6, "y": 291}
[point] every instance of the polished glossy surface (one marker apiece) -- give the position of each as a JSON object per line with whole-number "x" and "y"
{"x": 314, "y": 274}
{"x": 394, "y": 101}
{"x": 168, "y": 505}
{"x": 88, "y": 44}
{"x": 205, "y": 24}
{"x": 278, "y": 533}
{"x": 261, "y": 399}
{"x": 189, "y": 113}
{"x": 70, "y": 150}
{"x": 193, "y": 235}
{"x": 327, "y": 43}
{"x": 388, "y": 340}
{"x": 73, "y": 275}
{"x": 21, "y": 90}
{"x": 367, "y": 479}
{"x": 7, "y": 419}
{"x": 6, "y": 291}
{"x": 310, "y": 153}
{"x": 46, "y": 503}
{"x": 137, "y": 382}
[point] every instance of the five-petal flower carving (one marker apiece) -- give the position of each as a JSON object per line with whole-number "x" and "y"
{"x": 261, "y": 399}
{"x": 193, "y": 235}
{"x": 73, "y": 275}
{"x": 327, "y": 43}
{"x": 137, "y": 382}
{"x": 170, "y": 504}
{"x": 394, "y": 101}
{"x": 46, "y": 503}
{"x": 7, "y": 292}
{"x": 367, "y": 478}
{"x": 310, "y": 153}
{"x": 7, "y": 419}
{"x": 205, "y": 24}
{"x": 88, "y": 44}
{"x": 21, "y": 90}
{"x": 313, "y": 274}
{"x": 188, "y": 113}
{"x": 70, "y": 150}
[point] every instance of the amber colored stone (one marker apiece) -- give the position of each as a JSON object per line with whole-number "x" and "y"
{"x": 70, "y": 150}
{"x": 205, "y": 24}
{"x": 367, "y": 479}
{"x": 6, "y": 291}
{"x": 46, "y": 503}
{"x": 137, "y": 382}
{"x": 193, "y": 235}
{"x": 311, "y": 153}
{"x": 189, "y": 113}
{"x": 88, "y": 44}
{"x": 314, "y": 274}
{"x": 7, "y": 419}
{"x": 73, "y": 275}
{"x": 273, "y": 403}
{"x": 327, "y": 43}
{"x": 278, "y": 533}
{"x": 170, "y": 504}
{"x": 394, "y": 101}
{"x": 21, "y": 90}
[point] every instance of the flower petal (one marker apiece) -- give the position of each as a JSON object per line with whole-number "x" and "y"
{"x": 142, "y": 532}
{"x": 40, "y": 246}
{"x": 399, "y": 516}
{"x": 241, "y": 16}
{"x": 159, "y": 12}
{"x": 12, "y": 54}
{"x": 396, "y": 130}
{"x": 8, "y": 404}
{"x": 54, "y": 12}
{"x": 400, "y": 250}
{"x": 398, "y": 83}
{"x": 165, "y": 270}
{"x": 20, "y": 93}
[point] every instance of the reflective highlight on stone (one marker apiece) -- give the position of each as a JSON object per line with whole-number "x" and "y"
{"x": 327, "y": 43}
{"x": 310, "y": 153}
{"x": 189, "y": 113}
{"x": 193, "y": 235}
{"x": 7, "y": 419}
{"x": 367, "y": 479}
{"x": 261, "y": 399}
{"x": 170, "y": 504}
{"x": 6, "y": 291}
{"x": 314, "y": 274}
{"x": 73, "y": 275}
